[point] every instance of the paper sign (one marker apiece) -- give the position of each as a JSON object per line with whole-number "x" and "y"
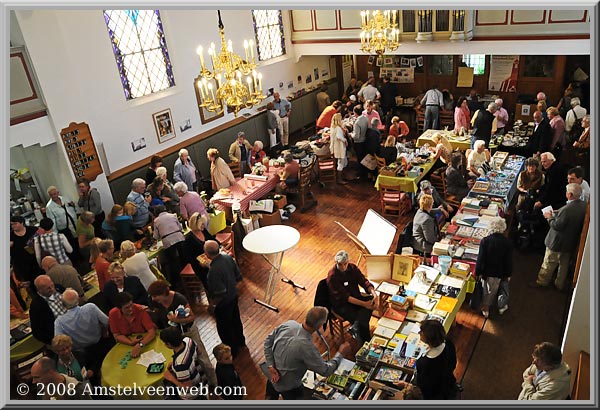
{"x": 465, "y": 77}
{"x": 525, "y": 110}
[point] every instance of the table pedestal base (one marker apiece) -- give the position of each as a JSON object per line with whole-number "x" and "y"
{"x": 274, "y": 272}
{"x": 265, "y": 304}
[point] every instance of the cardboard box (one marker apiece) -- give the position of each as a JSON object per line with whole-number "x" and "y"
{"x": 277, "y": 203}
{"x": 270, "y": 219}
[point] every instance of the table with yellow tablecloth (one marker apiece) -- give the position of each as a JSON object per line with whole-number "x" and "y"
{"x": 113, "y": 376}
{"x": 460, "y": 143}
{"x": 406, "y": 184}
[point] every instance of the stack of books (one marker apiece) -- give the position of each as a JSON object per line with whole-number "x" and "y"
{"x": 441, "y": 248}
{"x": 399, "y": 303}
{"x": 472, "y": 208}
{"x": 460, "y": 268}
{"x": 465, "y": 232}
{"x": 491, "y": 210}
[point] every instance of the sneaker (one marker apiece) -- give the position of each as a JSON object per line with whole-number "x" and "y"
{"x": 502, "y": 310}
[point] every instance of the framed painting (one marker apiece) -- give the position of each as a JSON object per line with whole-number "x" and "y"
{"x": 205, "y": 115}
{"x": 163, "y": 122}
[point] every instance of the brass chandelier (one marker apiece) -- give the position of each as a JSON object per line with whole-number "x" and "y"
{"x": 228, "y": 69}
{"x": 379, "y": 32}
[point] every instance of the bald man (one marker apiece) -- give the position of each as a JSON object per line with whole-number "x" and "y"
{"x": 45, "y": 307}
{"x": 63, "y": 275}
{"x": 84, "y": 324}
{"x": 44, "y": 372}
{"x": 222, "y": 279}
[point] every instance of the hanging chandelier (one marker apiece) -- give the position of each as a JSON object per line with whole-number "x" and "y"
{"x": 379, "y": 33}
{"x": 224, "y": 85}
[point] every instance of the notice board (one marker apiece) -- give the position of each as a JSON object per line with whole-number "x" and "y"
{"x": 81, "y": 151}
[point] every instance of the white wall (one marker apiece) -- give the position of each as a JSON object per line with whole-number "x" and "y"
{"x": 577, "y": 331}
{"x": 72, "y": 56}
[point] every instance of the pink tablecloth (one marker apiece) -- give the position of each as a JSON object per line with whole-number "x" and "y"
{"x": 260, "y": 189}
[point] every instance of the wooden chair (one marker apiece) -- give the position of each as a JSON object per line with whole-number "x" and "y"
{"x": 303, "y": 189}
{"x": 337, "y": 324}
{"x": 327, "y": 169}
{"x": 191, "y": 284}
{"x": 420, "y": 120}
{"x": 438, "y": 180}
{"x": 21, "y": 368}
{"x": 394, "y": 202}
{"x": 380, "y": 162}
{"x": 447, "y": 119}
{"x": 236, "y": 169}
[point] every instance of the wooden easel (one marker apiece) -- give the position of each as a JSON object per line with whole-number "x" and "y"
{"x": 357, "y": 242}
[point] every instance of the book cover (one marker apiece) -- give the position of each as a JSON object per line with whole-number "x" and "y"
{"x": 377, "y": 341}
{"x": 394, "y": 341}
{"x": 324, "y": 391}
{"x": 446, "y": 290}
{"x": 337, "y": 380}
{"x": 385, "y": 332}
{"x": 424, "y": 303}
{"x": 395, "y": 314}
{"x": 358, "y": 374}
{"x": 447, "y": 303}
{"x": 389, "y": 374}
{"x": 452, "y": 228}
{"x": 388, "y": 288}
{"x": 390, "y": 323}
{"x": 415, "y": 316}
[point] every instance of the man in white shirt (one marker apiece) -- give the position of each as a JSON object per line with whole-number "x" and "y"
{"x": 433, "y": 100}
{"x": 577, "y": 112}
{"x": 369, "y": 91}
{"x": 501, "y": 116}
{"x": 575, "y": 176}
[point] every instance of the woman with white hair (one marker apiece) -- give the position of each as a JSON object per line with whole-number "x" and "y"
{"x": 494, "y": 266}
{"x": 172, "y": 203}
{"x": 185, "y": 170}
{"x": 136, "y": 264}
{"x": 343, "y": 282}
{"x": 476, "y": 158}
{"x": 189, "y": 201}
{"x": 256, "y": 154}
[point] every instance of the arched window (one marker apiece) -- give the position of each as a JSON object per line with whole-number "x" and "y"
{"x": 268, "y": 27}
{"x": 140, "y": 48}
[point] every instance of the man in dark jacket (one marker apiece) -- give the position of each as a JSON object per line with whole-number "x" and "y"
{"x": 562, "y": 238}
{"x": 541, "y": 138}
{"x": 388, "y": 93}
{"x": 484, "y": 125}
{"x": 45, "y": 307}
{"x": 553, "y": 191}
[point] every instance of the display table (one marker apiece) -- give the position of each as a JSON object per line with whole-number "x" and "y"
{"x": 272, "y": 240}
{"x": 502, "y": 183}
{"x": 406, "y": 184}
{"x": 114, "y": 376}
{"x": 460, "y": 143}
{"x": 254, "y": 191}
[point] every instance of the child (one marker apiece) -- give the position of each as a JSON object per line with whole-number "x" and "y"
{"x": 227, "y": 377}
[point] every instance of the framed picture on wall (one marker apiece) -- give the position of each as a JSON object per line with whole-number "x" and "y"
{"x": 163, "y": 122}
{"x": 205, "y": 115}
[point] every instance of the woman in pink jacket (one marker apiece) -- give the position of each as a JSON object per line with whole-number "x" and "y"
{"x": 462, "y": 115}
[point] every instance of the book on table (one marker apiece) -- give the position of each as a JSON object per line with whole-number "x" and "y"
{"x": 394, "y": 314}
{"x": 390, "y": 323}
{"x": 379, "y": 341}
{"x": 358, "y": 373}
{"x": 337, "y": 380}
{"x": 384, "y": 332}
{"x": 394, "y": 341}
{"x": 415, "y": 316}
{"x": 388, "y": 288}
{"x": 424, "y": 303}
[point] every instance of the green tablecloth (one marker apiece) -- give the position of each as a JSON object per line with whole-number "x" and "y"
{"x": 463, "y": 143}
{"x": 113, "y": 375}
{"x": 406, "y": 184}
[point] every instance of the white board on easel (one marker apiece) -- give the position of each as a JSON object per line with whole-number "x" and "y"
{"x": 377, "y": 233}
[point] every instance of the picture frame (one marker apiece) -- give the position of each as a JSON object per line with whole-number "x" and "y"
{"x": 205, "y": 115}
{"x": 388, "y": 61}
{"x": 379, "y": 62}
{"x": 163, "y": 123}
{"x": 371, "y": 60}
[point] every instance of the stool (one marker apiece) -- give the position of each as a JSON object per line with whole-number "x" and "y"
{"x": 191, "y": 284}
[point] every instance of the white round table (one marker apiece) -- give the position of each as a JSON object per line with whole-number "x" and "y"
{"x": 272, "y": 240}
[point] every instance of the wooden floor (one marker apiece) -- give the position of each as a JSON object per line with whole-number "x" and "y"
{"x": 306, "y": 264}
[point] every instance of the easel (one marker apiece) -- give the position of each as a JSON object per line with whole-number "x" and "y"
{"x": 357, "y": 242}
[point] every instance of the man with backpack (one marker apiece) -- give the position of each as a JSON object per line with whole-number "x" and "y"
{"x": 573, "y": 125}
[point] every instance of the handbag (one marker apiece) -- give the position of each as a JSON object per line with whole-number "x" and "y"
{"x": 369, "y": 162}
{"x": 477, "y": 296}
{"x": 503, "y": 294}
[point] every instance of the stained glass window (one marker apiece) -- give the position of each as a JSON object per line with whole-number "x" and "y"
{"x": 268, "y": 27}
{"x": 140, "y": 48}
{"x": 477, "y": 61}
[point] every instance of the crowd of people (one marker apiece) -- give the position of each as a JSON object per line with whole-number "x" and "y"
{"x": 75, "y": 237}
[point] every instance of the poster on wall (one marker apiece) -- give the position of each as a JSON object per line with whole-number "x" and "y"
{"x": 164, "y": 125}
{"x": 398, "y": 75}
{"x": 503, "y": 73}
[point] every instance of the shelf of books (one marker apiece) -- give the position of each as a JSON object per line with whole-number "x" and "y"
{"x": 391, "y": 354}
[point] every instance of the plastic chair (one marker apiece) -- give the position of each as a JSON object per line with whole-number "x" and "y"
{"x": 394, "y": 202}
